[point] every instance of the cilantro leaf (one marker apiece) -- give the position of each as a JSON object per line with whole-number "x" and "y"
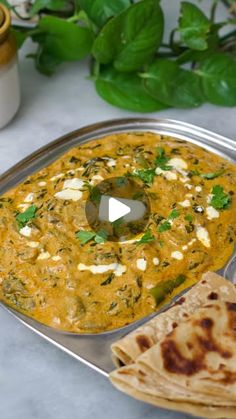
{"x": 146, "y": 238}
{"x": 174, "y": 214}
{"x": 146, "y": 175}
{"x": 162, "y": 159}
{"x": 220, "y": 199}
{"x": 24, "y": 217}
{"x": 85, "y": 236}
{"x": 101, "y": 236}
{"x": 188, "y": 217}
{"x": 166, "y": 225}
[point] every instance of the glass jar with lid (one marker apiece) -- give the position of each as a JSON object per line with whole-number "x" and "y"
{"x": 9, "y": 75}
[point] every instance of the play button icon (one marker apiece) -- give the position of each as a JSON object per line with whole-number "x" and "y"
{"x": 119, "y": 207}
{"x": 116, "y": 208}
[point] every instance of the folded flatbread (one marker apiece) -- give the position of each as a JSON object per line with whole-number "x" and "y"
{"x": 210, "y": 288}
{"x": 193, "y": 368}
{"x": 199, "y": 410}
{"x": 189, "y": 360}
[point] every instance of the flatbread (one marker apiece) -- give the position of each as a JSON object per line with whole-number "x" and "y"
{"x": 200, "y": 353}
{"x": 154, "y": 385}
{"x": 211, "y": 286}
{"x": 192, "y": 369}
{"x": 187, "y": 360}
{"x": 193, "y": 409}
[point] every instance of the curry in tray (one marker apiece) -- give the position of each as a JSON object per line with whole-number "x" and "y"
{"x": 54, "y": 268}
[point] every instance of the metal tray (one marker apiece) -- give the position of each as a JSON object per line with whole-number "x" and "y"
{"x": 94, "y": 349}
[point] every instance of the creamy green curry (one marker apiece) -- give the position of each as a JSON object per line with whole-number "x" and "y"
{"x": 54, "y": 268}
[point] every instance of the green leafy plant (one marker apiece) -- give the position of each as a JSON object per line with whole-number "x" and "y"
{"x": 131, "y": 66}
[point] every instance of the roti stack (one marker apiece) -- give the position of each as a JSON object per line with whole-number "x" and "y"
{"x": 185, "y": 358}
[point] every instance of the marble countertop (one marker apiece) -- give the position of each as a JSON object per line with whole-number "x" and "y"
{"x": 37, "y": 380}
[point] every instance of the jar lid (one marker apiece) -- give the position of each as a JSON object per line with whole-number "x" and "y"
{"x": 5, "y": 21}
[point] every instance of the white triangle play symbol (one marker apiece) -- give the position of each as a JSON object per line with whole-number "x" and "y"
{"x": 116, "y": 209}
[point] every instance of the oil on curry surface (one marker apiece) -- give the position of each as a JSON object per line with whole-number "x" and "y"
{"x": 56, "y": 270}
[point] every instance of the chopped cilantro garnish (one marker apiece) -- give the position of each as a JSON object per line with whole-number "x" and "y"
{"x": 188, "y": 217}
{"x": 146, "y": 175}
{"x": 86, "y": 236}
{"x": 166, "y": 225}
{"x": 101, "y": 236}
{"x": 174, "y": 214}
{"x": 24, "y": 217}
{"x": 162, "y": 159}
{"x": 220, "y": 199}
{"x": 146, "y": 238}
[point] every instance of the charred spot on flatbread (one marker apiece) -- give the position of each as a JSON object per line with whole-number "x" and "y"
{"x": 213, "y": 296}
{"x": 180, "y": 301}
{"x": 176, "y": 363}
{"x": 144, "y": 342}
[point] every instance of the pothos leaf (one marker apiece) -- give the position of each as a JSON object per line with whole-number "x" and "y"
{"x": 218, "y": 77}
{"x": 193, "y": 26}
{"x": 60, "y": 41}
{"x": 54, "y": 5}
{"x": 125, "y": 91}
{"x": 99, "y": 11}
{"x": 172, "y": 85}
{"x": 131, "y": 39}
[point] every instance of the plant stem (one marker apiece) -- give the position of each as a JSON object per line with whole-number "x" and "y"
{"x": 166, "y": 54}
{"x": 213, "y": 10}
{"x": 13, "y": 8}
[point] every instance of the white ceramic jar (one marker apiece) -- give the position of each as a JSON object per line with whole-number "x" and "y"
{"x": 9, "y": 75}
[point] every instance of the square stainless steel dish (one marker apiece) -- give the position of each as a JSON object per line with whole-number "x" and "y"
{"x": 94, "y": 349}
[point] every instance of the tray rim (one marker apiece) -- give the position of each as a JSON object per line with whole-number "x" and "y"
{"x": 113, "y": 123}
{"x": 86, "y": 134}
